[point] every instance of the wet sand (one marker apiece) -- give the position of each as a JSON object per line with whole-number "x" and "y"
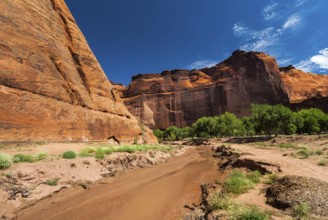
{"x": 159, "y": 192}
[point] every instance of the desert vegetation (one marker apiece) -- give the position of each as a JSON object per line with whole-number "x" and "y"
{"x": 238, "y": 182}
{"x": 264, "y": 120}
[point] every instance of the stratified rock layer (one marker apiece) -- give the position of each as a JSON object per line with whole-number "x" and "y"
{"x": 51, "y": 85}
{"x": 180, "y": 97}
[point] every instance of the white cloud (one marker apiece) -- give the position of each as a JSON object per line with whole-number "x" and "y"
{"x": 299, "y": 3}
{"x": 202, "y": 64}
{"x": 269, "y": 12}
{"x": 260, "y": 40}
{"x": 239, "y": 29}
{"x": 317, "y": 62}
{"x": 321, "y": 59}
{"x": 292, "y": 22}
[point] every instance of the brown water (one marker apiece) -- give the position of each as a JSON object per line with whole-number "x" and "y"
{"x": 156, "y": 193}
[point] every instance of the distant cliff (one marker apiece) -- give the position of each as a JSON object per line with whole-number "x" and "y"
{"x": 180, "y": 97}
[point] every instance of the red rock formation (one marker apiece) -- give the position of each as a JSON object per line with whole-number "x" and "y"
{"x": 180, "y": 97}
{"x": 51, "y": 85}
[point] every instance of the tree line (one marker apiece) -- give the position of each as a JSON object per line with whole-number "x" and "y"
{"x": 264, "y": 120}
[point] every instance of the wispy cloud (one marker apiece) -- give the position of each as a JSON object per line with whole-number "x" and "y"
{"x": 269, "y": 12}
{"x": 317, "y": 62}
{"x": 299, "y": 3}
{"x": 202, "y": 64}
{"x": 240, "y": 29}
{"x": 260, "y": 40}
{"x": 292, "y": 22}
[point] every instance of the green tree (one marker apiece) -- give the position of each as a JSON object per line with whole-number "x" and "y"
{"x": 249, "y": 126}
{"x": 273, "y": 119}
{"x": 205, "y": 127}
{"x": 315, "y": 121}
{"x": 229, "y": 125}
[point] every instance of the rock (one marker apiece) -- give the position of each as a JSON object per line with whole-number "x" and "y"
{"x": 180, "y": 97}
{"x": 51, "y": 84}
{"x": 290, "y": 191}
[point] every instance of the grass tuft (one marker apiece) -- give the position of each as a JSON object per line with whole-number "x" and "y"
{"x": 21, "y": 158}
{"x": 5, "y": 161}
{"x": 100, "y": 153}
{"x": 323, "y": 162}
{"x": 270, "y": 178}
{"x": 239, "y": 182}
{"x": 52, "y": 182}
{"x": 287, "y": 145}
{"x": 69, "y": 155}
{"x": 302, "y": 210}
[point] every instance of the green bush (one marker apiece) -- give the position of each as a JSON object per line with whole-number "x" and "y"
{"x": 239, "y": 182}
{"x": 301, "y": 210}
{"x": 305, "y": 152}
{"x": 21, "y": 158}
{"x": 5, "y": 161}
{"x": 271, "y": 178}
{"x": 69, "y": 155}
{"x": 323, "y": 162}
{"x": 83, "y": 154}
{"x": 52, "y": 182}
{"x": 41, "y": 156}
{"x": 100, "y": 154}
{"x": 253, "y": 213}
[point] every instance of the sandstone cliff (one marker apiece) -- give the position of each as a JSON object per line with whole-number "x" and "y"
{"x": 51, "y": 85}
{"x": 180, "y": 97}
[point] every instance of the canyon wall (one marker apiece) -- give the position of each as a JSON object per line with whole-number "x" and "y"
{"x": 51, "y": 85}
{"x": 180, "y": 97}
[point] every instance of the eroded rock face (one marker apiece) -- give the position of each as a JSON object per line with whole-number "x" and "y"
{"x": 180, "y": 97}
{"x": 51, "y": 85}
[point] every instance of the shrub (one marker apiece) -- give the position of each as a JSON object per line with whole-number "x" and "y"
{"x": 5, "y": 161}
{"x": 21, "y": 158}
{"x": 69, "y": 155}
{"x": 305, "y": 152}
{"x": 255, "y": 176}
{"x": 271, "y": 178}
{"x": 83, "y": 154}
{"x": 89, "y": 150}
{"x": 100, "y": 154}
{"x": 219, "y": 201}
{"x": 239, "y": 183}
{"x": 301, "y": 210}
{"x": 41, "y": 156}
{"x": 323, "y": 162}
{"x": 52, "y": 182}
{"x": 253, "y": 213}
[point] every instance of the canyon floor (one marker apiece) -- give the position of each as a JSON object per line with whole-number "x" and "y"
{"x": 163, "y": 189}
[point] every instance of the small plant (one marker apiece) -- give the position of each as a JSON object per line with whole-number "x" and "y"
{"x": 83, "y": 154}
{"x": 107, "y": 150}
{"x": 323, "y": 162}
{"x": 271, "y": 178}
{"x": 304, "y": 152}
{"x": 100, "y": 154}
{"x": 319, "y": 152}
{"x": 219, "y": 201}
{"x": 253, "y": 213}
{"x": 69, "y": 155}
{"x": 89, "y": 150}
{"x": 5, "y": 161}
{"x": 21, "y": 158}
{"x": 239, "y": 183}
{"x": 52, "y": 182}
{"x": 41, "y": 156}
{"x": 255, "y": 176}
{"x": 302, "y": 210}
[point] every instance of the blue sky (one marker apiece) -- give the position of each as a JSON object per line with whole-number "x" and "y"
{"x": 148, "y": 36}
